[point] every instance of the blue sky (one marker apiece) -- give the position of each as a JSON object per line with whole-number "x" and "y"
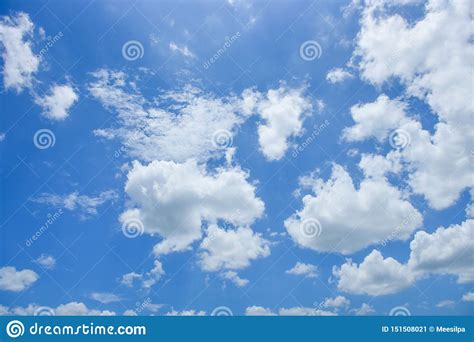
{"x": 319, "y": 164}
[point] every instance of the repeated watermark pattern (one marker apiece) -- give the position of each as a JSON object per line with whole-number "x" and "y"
{"x": 222, "y": 311}
{"x": 133, "y": 228}
{"x": 317, "y": 130}
{"x": 132, "y": 50}
{"x": 229, "y": 41}
{"x": 51, "y": 41}
{"x": 222, "y": 139}
{"x": 44, "y": 311}
{"x": 400, "y": 311}
{"x": 310, "y": 50}
{"x": 44, "y": 138}
{"x": 52, "y": 218}
{"x": 399, "y": 139}
{"x": 310, "y": 228}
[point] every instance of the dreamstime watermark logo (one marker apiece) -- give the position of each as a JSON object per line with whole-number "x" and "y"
{"x": 317, "y": 130}
{"x": 44, "y": 138}
{"x": 15, "y": 329}
{"x": 140, "y": 307}
{"x": 310, "y": 228}
{"x": 132, "y": 50}
{"x": 51, "y": 219}
{"x": 400, "y": 311}
{"x": 134, "y": 137}
{"x": 229, "y": 41}
{"x": 132, "y": 228}
{"x": 44, "y": 311}
{"x": 399, "y": 139}
{"x": 407, "y": 220}
{"x": 310, "y": 50}
{"x": 51, "y": 41}
{"x": 222, "y": 139}
{"x": 222, "y": 311}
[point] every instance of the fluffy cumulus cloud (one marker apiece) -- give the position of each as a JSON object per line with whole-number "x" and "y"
{"x": 282, "y": 111}
{"x": 258, "y": 311}
{"x": 295, "y": 311}
{"x": 69, "y": 309}
{"x": 338, "y": 75}
{"x": 20, "y": 63}
{"x": 86, "y": 205}
{"x": 364, "y": 310}
{"x": 303, "y": 269}
{"x": 374, "y": 276}
{"x": 14, "y": 280}
{"x": 336, "y": 302}
{"x": 342, "y": 218}
{"x": 57, "y": 103}
{"x": 375, "y": 119}
{"x": 447, "y": 251}
{"x": 232, "y": 249}
{"x": 173, "y": 200}
{"x": 386, "y": 49}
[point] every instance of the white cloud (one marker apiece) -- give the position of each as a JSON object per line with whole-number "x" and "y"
{"x": 374, "y": 276}
{"x": 445, "y": 304}
{"x": 283, "y": 111}
{"x": 386, "y": 47}
{"x": 20, "y": 64}
{"x": 183, "y": 50}
{"x": 2, "y": 136}
{"x": 447, "y": 251}
{"x": 69, "y": 309}
{"x": 56, "y": 105}
{"x": 16, "y": 281}
{"x": 302, "y": 311}
{"x": 173, "y": 312}
{"x": 80, "y": 309}
{"x": 364, "y": 309}
{"x": 468, "y": 297}
{"x": 231, "y": 249}
{"x": 130, "y": 312}
{"x": 86, "y": 205}
{"x": 182, "y": 125}
{"x": 105, "y": 297}
{"x": 258, "y": 311}
{"x": 336, "y": 302}
{"x": 46, "y": 261}
{"x": 376, "y": 119}
{"x": 338, "y": 75}
{"x": 295, "y": 311}
{"x": 175, "y": 126}
{"x": 129, "y": 278}
{"x": 152, "y": 307}
{"x": 154, "y": 275}
{"x": 174, "y": 200}
{"x": 234, "y": 277}
{"x": 300, "y": 268}
{"x": 346, "y": 219}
